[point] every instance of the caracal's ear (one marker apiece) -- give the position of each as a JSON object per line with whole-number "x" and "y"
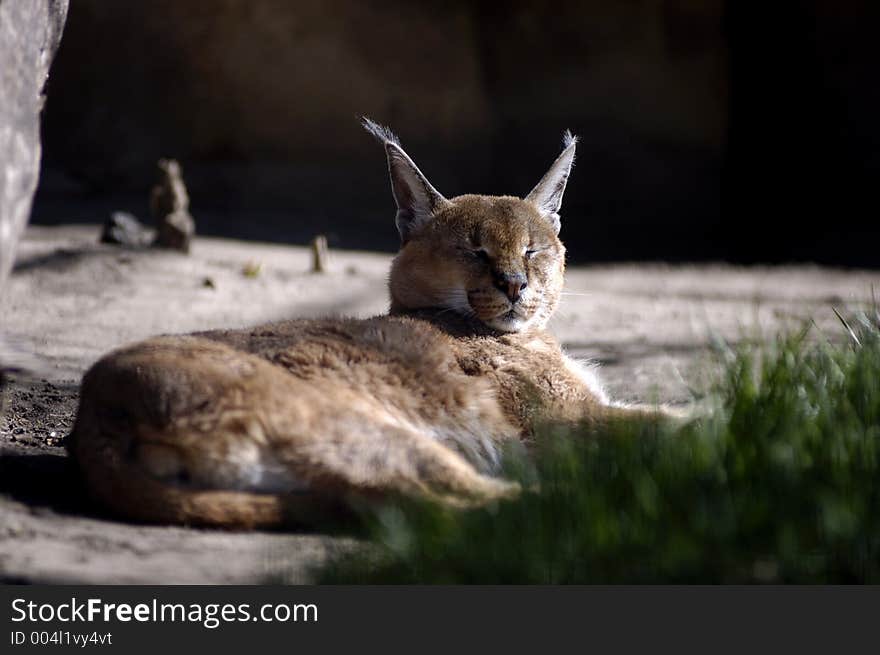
{"x": 547, "y": 195}
{"x": 417, "y": 201}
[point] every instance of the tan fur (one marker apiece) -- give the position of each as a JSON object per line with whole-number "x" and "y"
{"x": 292, "y": 421}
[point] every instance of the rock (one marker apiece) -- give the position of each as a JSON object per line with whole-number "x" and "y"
{"x": 30, "y": 31}
{"x": 169, "y": 203}
{"x": 176, "y": 231}
{"x": 169, "y": 195}
{"x": 124, "y": 229}
{"x": 319, "y": 254}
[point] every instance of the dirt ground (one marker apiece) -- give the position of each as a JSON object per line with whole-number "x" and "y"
{"x": 70, "y": 300}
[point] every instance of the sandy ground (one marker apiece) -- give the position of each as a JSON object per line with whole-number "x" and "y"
{"x": 70, "y": 300}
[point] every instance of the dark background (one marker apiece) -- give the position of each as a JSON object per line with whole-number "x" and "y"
{"x": 711, "y": 129}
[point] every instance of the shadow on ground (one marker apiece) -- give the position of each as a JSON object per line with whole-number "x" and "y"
{"x": 47, "y": 481}
{"x": 35, "y": 470}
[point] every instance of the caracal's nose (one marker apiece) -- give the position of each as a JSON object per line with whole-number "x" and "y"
{"x": 511, "y": 284}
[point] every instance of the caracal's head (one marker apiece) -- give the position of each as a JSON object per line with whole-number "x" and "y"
{"x": 494, "y": 258}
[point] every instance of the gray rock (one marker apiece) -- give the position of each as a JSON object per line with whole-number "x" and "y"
{"x": 176, "y": 231}
{"x": 30, "y": 31}
{"x": 169, "y": 202}
{"x": 124, "y": 229}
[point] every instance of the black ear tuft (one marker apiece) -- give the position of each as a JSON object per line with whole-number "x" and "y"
{"x": 382, "y": 133}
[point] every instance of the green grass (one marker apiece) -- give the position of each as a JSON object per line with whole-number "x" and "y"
{"x": 778, "y": 484}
